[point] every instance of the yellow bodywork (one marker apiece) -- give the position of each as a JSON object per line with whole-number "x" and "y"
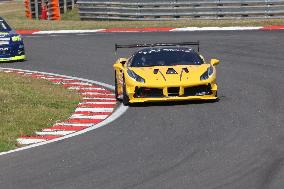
{"x": 162, "y": 80}
{"x": 14, "y": 58}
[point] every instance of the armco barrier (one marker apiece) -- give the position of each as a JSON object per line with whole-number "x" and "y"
{"x": 179, "y": 9}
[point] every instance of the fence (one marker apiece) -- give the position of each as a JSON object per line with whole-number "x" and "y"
{"x": 53, "y": 8}
{"x": 179, "y": 9}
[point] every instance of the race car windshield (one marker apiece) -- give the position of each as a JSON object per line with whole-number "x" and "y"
{"x": 165, "y": 57}
{"x": 4, "y": 27}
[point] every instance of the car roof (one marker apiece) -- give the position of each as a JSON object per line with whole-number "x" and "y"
{"x": 161, "y": 48}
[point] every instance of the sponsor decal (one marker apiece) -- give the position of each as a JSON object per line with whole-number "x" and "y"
{"x": 5, "y": 39}
{"x": 4, "y": 49}
{"x": 4, "y": 43}
{"x": 3, "y": 34}
{"x": 16, "y": 38}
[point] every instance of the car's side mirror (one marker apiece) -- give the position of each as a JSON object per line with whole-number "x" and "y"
{"x": 119, "y": 64}
{"x": 214, "y": 61}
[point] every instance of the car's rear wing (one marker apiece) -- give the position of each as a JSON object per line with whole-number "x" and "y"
{"x": 196, "y": 43}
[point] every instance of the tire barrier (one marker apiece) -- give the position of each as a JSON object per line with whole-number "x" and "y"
{"x": 47, "y": 9}
{"x": 179, "y": 9}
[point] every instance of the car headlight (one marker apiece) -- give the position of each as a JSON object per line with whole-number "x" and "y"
{"x": 16, "y": 38}
{"x": 133, "y": 75}
{"x": 207, "y": 74}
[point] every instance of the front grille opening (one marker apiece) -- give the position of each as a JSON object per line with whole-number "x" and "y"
{"x": 145, "y": 92}
{"x": 198, "y": 90}
{"x": 173, "y": 91}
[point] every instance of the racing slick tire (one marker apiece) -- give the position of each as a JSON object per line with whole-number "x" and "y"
{"x": 217, "y": 99}
{"x": 125, "y": 98}
{"x": 115, "y": 88}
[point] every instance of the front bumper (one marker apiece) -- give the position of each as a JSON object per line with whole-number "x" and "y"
{"x": 170, "y": 99}
{"x": 12, "y": 52}
{"x": 13, "y": 58}
{"x": 206, "y": 90}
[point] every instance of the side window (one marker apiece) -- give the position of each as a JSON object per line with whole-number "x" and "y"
{"x": 3, "y": 27}
{"x": 129, "y": 63}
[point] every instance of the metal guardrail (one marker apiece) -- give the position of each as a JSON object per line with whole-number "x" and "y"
{"x": 179, "y": 9}
{"x": 66, "y": 5}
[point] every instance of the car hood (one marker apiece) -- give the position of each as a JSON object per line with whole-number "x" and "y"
{"x": 173, "y": 75}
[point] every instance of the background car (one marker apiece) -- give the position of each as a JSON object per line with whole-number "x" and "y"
{"x": 11, "y": 44}
{"x": 164, "y": 72}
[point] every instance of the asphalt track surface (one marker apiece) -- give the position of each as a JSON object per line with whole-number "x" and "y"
{"x": 236, "y": 143}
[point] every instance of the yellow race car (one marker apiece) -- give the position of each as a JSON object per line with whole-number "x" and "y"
{"x": 164, "y": 72}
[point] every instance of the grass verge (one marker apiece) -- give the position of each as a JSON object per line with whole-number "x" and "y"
{"x": 28, "y": 104}
{"x": 14, "y": 13}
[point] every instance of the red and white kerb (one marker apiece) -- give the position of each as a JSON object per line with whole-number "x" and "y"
{"x": 97, "y": 105}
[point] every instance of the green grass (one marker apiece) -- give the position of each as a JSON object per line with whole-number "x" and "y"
{"x": 15, "y": 16}
{"x": 28, "y": 104}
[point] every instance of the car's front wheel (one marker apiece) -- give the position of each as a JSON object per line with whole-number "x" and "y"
{"x": 115, "y": 87}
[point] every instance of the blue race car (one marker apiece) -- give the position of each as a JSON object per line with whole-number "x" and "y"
{"x": 11, "y": 44}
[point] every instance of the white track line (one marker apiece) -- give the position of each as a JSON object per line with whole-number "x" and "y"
{"x": 68, "y": 31}
{"x": 97, "y": 93}
{"x": 78, "y": 83}
{"x": 55, "y": 133}
{"x": 105, "y": 102}
{"x": 81, "y": 116}
{"x": 121, "y": 109}
{"x": 85, "y": 88}
{"x": 97, "y": 98}
{"x": 214, "y": 29}
{"x": 93, "y": 110}
{"x": 74, "y": 124}
{"x": 25, "y": 141}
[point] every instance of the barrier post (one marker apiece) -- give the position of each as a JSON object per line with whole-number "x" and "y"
{"x": 36, "y": 9}
{"x": 54, "y": 10}
{"x": 65, "y": 6}
{"x": 28, "y": 8}
{"x": 73, "y": 4}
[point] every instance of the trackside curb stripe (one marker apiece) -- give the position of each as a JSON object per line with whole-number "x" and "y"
{"x": 121, "y": 30}
{"x": 75, "y": 118}
{"x": 84, "y": 123}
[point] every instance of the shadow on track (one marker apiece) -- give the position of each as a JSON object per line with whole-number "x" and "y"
{"x": 174, "y": 103}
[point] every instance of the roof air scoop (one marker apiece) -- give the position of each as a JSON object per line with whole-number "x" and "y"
{"x": 171, "y": 71}
{"x": 185, "y": 69}
{"x": 156, "y": 71}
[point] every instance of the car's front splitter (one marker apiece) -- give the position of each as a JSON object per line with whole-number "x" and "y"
{"x": 13, "y": 58}
{"x": 175, "y": 98}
